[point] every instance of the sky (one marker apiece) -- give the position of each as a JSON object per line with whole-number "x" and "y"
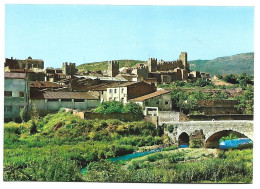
{"x": 92, "y": 33}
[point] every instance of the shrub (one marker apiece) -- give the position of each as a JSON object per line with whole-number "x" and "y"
{"x": 170, "y": 128}
{"x": 155, "y": 157}
{"x": 196, "y": 143}
{"x": 133, "y": 108}
{"x": 173, "y": 147}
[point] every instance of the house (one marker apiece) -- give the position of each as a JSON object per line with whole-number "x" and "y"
{"x": 16, "y": 95}
{"x": 129, "y": 90}
{"x": 51, "y": 101}
{"x": 160, "y": 99}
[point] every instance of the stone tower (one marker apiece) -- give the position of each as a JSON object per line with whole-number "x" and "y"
{"x": 152, "y": 64}
{"x": 183, "y": 58}
{"x": 113, "y": 68}
{"x": 69, "y": 68}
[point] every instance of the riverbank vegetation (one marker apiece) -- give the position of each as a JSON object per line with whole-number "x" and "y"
{"x": 61, "y": 140}
{"x": 62, "y": 144}
{"x": 178, "y": 166}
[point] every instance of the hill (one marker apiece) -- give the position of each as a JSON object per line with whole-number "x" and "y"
{"x": 103, "y": 65}
{"x": 236, "y": 64}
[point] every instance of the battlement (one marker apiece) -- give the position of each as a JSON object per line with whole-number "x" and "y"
{"x": 114, "y": 62}
{"x": 152, "y": 59}
{"x": 69, "y": 68}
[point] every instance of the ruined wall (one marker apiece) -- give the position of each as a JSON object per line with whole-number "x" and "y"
{"x": 169, "y": 65}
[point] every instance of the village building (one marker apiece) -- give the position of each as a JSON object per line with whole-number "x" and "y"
{"x": 50, "y": 101}
{"x": 160, "y": 99}
{"x": 28, "y": 63}
{"x": 45, "y": 85}
{"x": 16, "y": 95}
{"x": 124, "y": 92}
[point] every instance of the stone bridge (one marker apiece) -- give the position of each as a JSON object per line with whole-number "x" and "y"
{"x": 208, "y": 132}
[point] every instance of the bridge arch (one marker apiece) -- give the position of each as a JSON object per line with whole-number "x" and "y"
{"x": 213, "y": 140}
{"x": 183, "y": 138}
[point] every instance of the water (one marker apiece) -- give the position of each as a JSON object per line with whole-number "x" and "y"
{"x": 126, "y": 157}
{"x": 236, "y": 143}
{"x": 134, "y": 155}
{"x": 184, "y": 146}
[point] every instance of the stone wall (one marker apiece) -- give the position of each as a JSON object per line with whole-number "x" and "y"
{"x": 220, "y": 117}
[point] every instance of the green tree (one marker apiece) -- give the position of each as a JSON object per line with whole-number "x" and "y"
{"x": 246, "y": 101}
{"x": 110, "y": 107}
{"x": 133, "y": 108}
{"x": 231, "y": 78}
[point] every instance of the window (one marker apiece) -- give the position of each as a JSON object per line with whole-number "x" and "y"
{"x": 122, "y": 100}
{"x": 157, "y": 102}
{"x": 115, "y": 90}
{"x": 115, "y": 99}
{"x": 65, "y": 100}
{"x": 8, "y": 93}
{"x": 79, "y": 100}
{"x": 122, "y": 90}
{"x": 8, "y": 108}
{"x": 52, "y": 100}
{"x": 110, "y": 90}
{"x": 166, "y": 102}
{"x": 21, "y": 94}
{"x": 110, "y": 99}
{"x": 102, "y": 92}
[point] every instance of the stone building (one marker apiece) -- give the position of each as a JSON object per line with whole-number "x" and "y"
{"x": 28, "y": 63}
{"x": 129, "y": 90}
{"x": 160, "y": 99}
{"x": 113, "y": 68}
{"x": 69, "y": 68}
{"x": 16, "y": 95}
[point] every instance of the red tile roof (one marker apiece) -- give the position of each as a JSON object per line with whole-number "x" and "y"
{"x": 44, "y": 84}
{"x": 62, "y": 95}
{"x": 151, "y": 95}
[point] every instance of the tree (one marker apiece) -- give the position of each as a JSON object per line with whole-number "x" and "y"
{"x": 133, "y": 108}
{"x": 110, "y": 107}
{"x": 246, "y": 101}
{"x": 231, "y": 78}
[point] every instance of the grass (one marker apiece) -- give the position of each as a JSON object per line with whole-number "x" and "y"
{"x": 64, "y": 144}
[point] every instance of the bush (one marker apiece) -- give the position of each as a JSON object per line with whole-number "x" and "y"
{"x": 133, "y": 108}
{"x": 196, "y": 143}
{"x": 154, "y": 157}
{"x": 173, "y": 147}
{"x": 170, "y": 128}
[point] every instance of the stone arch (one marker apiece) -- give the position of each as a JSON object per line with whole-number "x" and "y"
{"x": 213, "y": 140}
{"x": 183, "y": 138}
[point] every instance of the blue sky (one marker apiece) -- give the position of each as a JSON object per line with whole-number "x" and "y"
{"x": 89, "y": 33}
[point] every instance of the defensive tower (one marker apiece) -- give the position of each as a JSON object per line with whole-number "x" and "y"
{"x": 113, "y": 68}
